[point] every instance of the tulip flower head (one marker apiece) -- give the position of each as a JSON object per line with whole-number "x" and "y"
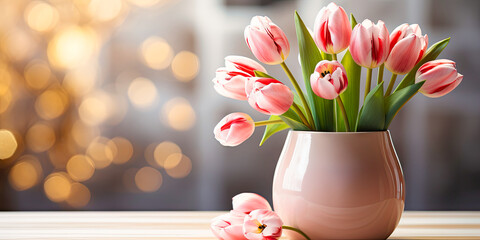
{"x": 234, "y": 129}
{"x": 332, "y": 29}
{"x": 268, "y": 96}
{"x": 247, "y": 202}
{"x": 230, "y": 80}
{"x": 440, "y": 77}
{"x": 267, "y": 41}
{"x": 407, "y": 46}
{"x": 229, "y": 226}
{"x": 329, "y": 79}
{"x": 262, "y": 224}
{"x": 370, "y": 44}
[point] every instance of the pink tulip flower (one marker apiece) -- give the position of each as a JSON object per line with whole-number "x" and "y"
{"x": 268, "y": 96}
{"x": 247, "y": 202}
{"x": 329, "y": 79}
{"x": 407, "y": 46}
{"x": 370, "y": 44}
{"x": 262, "y": 224}
{"x": 440, "y": 77}
{"x": 332, "y": 29}
{"x": 234, "y": 129}
{"x": 267, "y": 41}
{"x": 230, "y": 80}
{"x": 229, "y": 226}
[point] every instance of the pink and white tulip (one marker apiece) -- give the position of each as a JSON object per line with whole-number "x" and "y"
{"x": 262, "y": 224}
{"x": 230, "y": 80}
{"x": 370, "y": 44}
{"x": 332, "y": 29}
{"x": 407, "y": 46}
{"x": 247, "y": 202}
{"x": 440, "y": 77}
{"x": 267, "y": 41}
{"x": 234, "y": 129}
{"x": 229, "y": 226}
{"x": 268, "y": 96}
{"x": 329, "y": 79}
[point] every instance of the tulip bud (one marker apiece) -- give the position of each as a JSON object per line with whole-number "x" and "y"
{"x": 407, "y": 46}
{"x": 267, "y": 41}
{"x": 332, "y": 29}
{"x": 234, "y": 129}
{"x": 329, "y": 79}
{"x": 370, "y": 44}
{"x": 262, "y": 224}
{"x": 268, "y": 96}
{"x": 247, "y": 202}
{"x": 229, "y": 226}
{"x": 230, "y": 80}
{"x": 440, "y": 77}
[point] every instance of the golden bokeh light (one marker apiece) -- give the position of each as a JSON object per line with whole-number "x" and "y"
{"x": 181, "y": 169}
{"x": 37, "y": 74}
{"x": 144, "y": 3}
{"x": 8, "y": 144}
{"x": 105, "y": 10}
{"x": 40, "y": 137}
{"x": 79, "y": 195}
{"x": 83, "y": 134}
{"x": 96, "y": 108}
{"x": 41, "y": 16}
{"x": 5, "y": 101}
{"x": 164, "y": 150}
{"x": 156, "y": 53}
{"x": 57, "y": 186}
{"x": 142, "y": 92}
{"x": 172, "y": 160}
{"x": 80, "y": 81}
{"x": 5, "y": 80}
{"x": 25, "y": 174}
{"x": 102, "y": 151}
{"x": 18, "y": 45}
{"x": 72, "y": 47}
{"x": 148, "y": 179}
{"x": 185, "y": 66}
{"x": 51, "y": 104}
{"x": 80, "y": 168}
{"x": 178, "y": 114}
{"x": 124, "y": 150}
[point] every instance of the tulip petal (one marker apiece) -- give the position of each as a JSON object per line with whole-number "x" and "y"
{"x": 404, "y": 55}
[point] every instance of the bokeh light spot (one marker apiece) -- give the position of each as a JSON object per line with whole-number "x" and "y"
{"x": 41, "y": 16}
{"x": 164, "y": 150}
{"x": 181, "y": 169}
{"x": 25, "y": 173}
{"x": 178, "y": 114}
{"x": 8, "y": 144}
{"x": 80, "y": 168}
{"x": 185, "y": 66}
{"x": 102, "y": 151}
{"x": 37, "y": 74}
{"x": 156, "y": 53}
{"x": 57, "y": 186}
{"x": 142, "y": 92}
{"x": 79, "y": 195}
{"x": 51, "y": 104}
{"x": 96, "y": 108}
{"x": 105, "y": 10}
{"x": 40, "y": 137}
{"x": 125, "y": 150}
{"x": 148, "y": 179}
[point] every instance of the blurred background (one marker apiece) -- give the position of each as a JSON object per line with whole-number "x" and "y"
{"x": 109, "y": 105}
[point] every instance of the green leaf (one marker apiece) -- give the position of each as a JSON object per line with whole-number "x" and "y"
{"x": 272, "y": 129}
{"x": 431, "y": 54}
{"x": 353, "y": 21}
{"x": 372, "y": 115}
{"x": 295, "y": 125}
{"x": 351, "y": 96}
{"x": 262, "y": 74}
{"x": 395, "y": 102}
{"x": 322, "y": 109}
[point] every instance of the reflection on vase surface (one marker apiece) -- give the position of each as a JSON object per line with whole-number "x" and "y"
{"x": 339, "y": 185}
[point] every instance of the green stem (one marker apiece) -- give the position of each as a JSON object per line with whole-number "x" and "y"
{"x": 267, "y": 122}
{"x": 344, "y": 113}
{"x": 391, "y": 84}
{"x": 299, "y": 91}
{"x": 368, "y": 83}
{"x": 380, "y": 73}
{"x": 300, "y": 114}
{"x": 334, "y": 56}
{"x": 296, "y": 230}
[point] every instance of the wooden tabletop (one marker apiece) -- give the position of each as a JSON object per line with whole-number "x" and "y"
{"x": 195, "y": 225}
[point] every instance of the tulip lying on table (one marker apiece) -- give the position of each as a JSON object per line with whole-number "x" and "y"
{"x": 331, "y": 98}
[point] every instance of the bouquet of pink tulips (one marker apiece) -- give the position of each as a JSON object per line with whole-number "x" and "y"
{"x": 331, "y": 100}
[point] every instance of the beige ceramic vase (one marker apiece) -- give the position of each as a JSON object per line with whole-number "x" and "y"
{"x": 339, "y": 185}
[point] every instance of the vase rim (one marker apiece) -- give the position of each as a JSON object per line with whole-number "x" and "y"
{"x": 340, "y": 133}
